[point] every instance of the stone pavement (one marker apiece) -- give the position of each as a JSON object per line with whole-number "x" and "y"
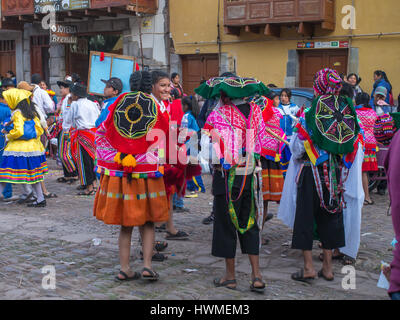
{"x": 61, "y": 236}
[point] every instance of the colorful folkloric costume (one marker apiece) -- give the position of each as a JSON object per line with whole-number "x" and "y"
{"x": 237, "y": 130}
{"x": 83, "y": 115}
{"x": 368, "y": 117}
{"x": 325, "y": 169}
{"x": 272, "y": 173}
{"x": 132, "y": 190}
{"x": 289, "y": 118}
{"x": 393, "y": 174}
{"x": 24, "y": 160}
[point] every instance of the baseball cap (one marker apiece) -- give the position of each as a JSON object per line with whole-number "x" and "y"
{"x": 381, "y": 91}
{"x": 114, "y": 82}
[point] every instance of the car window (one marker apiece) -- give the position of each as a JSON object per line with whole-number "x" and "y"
{"x": 300, "y": 101}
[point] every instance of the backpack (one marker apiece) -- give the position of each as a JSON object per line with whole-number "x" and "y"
{"x": 384, "y": 129}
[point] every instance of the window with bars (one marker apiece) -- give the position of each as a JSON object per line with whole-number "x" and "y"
{"x": 43, "y": 40}
{"x": 7, "y": 45}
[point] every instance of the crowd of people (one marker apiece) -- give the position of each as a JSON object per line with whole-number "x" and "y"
{"x": 138, "y": 153}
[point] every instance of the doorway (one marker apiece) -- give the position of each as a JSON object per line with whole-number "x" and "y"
{"x": 196, "y": 68}
{"x": 7, "y": 56}
{"x": 40, "y": 56}
{"x": 311, "y": 61}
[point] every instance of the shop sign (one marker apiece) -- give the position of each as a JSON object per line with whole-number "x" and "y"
{"x": 323, "y": 45}
{"x": 63, "y": 34}
{"x": 60, "y": 5}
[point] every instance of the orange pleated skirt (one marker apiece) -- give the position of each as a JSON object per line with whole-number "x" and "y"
{"x": 131, "y": 204}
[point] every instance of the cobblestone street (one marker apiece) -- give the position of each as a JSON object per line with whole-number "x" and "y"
{"x": 61, "y": 235}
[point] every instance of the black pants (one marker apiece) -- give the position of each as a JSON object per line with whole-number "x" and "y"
{"x": 88, "y": 176}
{"x": 330, "y": 226}
{"x": 225, "y": 234}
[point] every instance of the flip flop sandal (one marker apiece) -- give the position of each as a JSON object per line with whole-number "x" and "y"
{"x": 161, "y": 246}
{"x": 81, "y": 188}
{"x": 126, "y": 277}
{"x": 154, "y": 276}
{"x": 50, "y": 195}
{"x": 299, "y": 276}
{"x": 321, "y": 275}
{"x": 226, "y": 283}
{"x": 257, "y": 289}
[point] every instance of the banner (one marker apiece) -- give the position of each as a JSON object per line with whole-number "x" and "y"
{"x": 63, "y": 34}
{"x": 61, "y": 5}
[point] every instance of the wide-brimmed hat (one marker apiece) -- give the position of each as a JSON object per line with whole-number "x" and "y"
{"x": 381, "y": 91}
{"x": 7, "y": 82}
{"x": 65, "y": 83}
{"x": 25, "y": 86}
{"x": 79, "y": 90}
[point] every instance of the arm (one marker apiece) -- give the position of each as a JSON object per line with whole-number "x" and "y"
{"x": 297, "y": 147}
{"x": 48, "y": 104}
{"x": 18, "y": 130}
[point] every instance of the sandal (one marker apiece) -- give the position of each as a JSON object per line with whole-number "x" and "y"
{"x": 299, "y": 276}
{"x": 157, "y": 257}
{"x": 71, "y": 181}
{"x": 50, "y": 195}
{"x": 226, "y": 283}
{"x": 321, "y": 275}
{"x": 368, "y": 203}
{"x": 91, "y": 193}
{"x": 81, "y": 188}
{"x": 180, "y": 235}
{"x": 347, "y": 261}
{"x": 62, "y": 180}
{"x": 154, "y": 276}
{"x": 135, "y": 276}
{"x": 338, "y": 257}
{"x": 161, "y": 246}
{"x": 257, "y": 289}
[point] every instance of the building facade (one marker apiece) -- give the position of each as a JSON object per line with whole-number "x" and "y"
{"x": 137, "y": 28}
{"x": 285, "y": 41}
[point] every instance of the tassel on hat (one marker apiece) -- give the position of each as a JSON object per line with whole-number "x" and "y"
{"x": 127, "y": 161}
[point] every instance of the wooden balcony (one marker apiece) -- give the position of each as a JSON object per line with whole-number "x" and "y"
{"x": 15, "y": 13}
{"x": 269, "y": 15}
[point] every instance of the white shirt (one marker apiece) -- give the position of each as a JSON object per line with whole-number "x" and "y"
{"x": 84, "y": 114}
{"x": 66, "y": 114}
{"x": 42, "y": 99}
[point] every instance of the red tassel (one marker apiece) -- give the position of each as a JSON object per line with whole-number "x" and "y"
{"x": 102, "y": 56}
{"x": 137, "y": 67}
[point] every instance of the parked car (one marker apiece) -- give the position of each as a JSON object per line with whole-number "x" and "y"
{"x": 300, "y": 96}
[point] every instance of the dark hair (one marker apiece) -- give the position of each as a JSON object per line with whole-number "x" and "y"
{"x": 363, "y": 98}
{"x": 382, "y": 74}
{"x": 1, "y": 93}
{"x": 11, "y": 72}
{"x": 76, "y": 78}
{"x": 288, "y": 93}
{"x": 157, "y": 75}
{"x": 191, "y": 103}
{"x": 227, "y": 75}
{"x": 173, "y": 76}
{"x": 358, "y": 79}
{"x": 36, "y": 78}
{"x": 175, "y": 94}
{"x": 28, "y": 109}
{"x": 272, "y": 95}
{"x": 347, "y": 90}
{"x": 271, "y": 85}
{"x": 141, "y": 81}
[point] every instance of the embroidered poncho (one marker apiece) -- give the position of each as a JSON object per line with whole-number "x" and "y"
{"x": 367, "y": 117}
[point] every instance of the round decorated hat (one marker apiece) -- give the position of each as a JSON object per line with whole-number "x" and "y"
{"x": 332, "y": 124}
{"x": 233, "y": 87}
{"x": 131, "y": 118}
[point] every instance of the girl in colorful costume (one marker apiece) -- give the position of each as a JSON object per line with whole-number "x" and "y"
{"x": 325, "y": 169}
{"x": 367, "y": 117}
{"x": 132, "y": 191}
{"x": 24, "y": 160}
{"x": 237, "y": 130}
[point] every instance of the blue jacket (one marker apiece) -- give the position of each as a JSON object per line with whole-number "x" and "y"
{"x": 104, "y": 113}
{"x": 287, "y": 123}
{"x": 189, "y": 122}
{"x": 5, "y": 114}
{"x": 381, "y": 83}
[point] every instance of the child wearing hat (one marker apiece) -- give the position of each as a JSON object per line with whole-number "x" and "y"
{"x": 380, "y": 105}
